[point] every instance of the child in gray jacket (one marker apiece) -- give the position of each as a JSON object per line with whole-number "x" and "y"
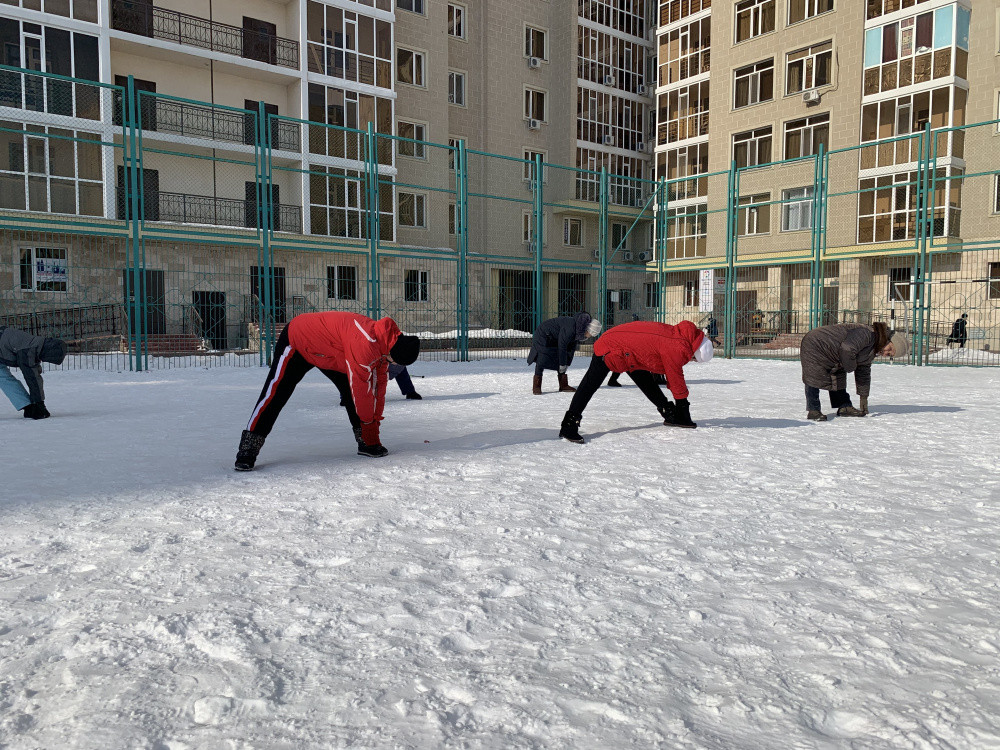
{"x": 26, "y": 352}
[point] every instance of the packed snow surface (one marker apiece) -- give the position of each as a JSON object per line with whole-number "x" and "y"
{"x": 760, "y": 582}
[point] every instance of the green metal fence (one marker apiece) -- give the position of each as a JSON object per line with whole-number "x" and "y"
{"x": 155, "y": 231}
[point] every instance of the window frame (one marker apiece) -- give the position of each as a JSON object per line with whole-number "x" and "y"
{"x": 810, "y": 67}
{"x": 993, "y": 285}
{"x": 753, "y": 74}
{"x": 809, "y": 16}
{"x": 416, "y": 285}
{"x": 419, "y": 149}
{"x": 417, "y": 55}
{"x": 335, "y": 283}
{"x": 529, "y": 42}
{"x": 529, "y": 93}
{"x": 692, "y": 293}
{"x": 529, "y": 165}
{"x": 461, "y": 13}
{"x": 419, "y": 209}
{"x": 753, "y": 141}
{"x": 753, "y": 213}
{"x": 31, "y": 267}
{"x": 796, "y": 203}
{"x": 807, "y": 131}
{"x": 454, "y": 76}
{"x": 756, "y": 9}
{"x": 422, "y": 8}
{"x": 568, "y": 223}
{"x": 652, "y": 294}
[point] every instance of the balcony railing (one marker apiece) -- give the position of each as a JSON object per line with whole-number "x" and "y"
{"x": 196, "y": 121}
{"x": 212, "y": 210}
{"x": 145, "y": 19}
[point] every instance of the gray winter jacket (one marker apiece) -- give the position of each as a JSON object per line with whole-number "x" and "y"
{"x": 27, "y": 352}
{"x": 830, "y": 352}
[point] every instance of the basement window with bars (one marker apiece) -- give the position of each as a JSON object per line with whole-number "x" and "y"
{"x": 44, "y": 269}
{"x": 415, "y": 286}
{"x": 652, "y": 290}
{"x": 342, "y": 282}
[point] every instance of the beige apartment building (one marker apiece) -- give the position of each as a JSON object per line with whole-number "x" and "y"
{"x": 560, "y": 79}
{"x": 753, "y": 82}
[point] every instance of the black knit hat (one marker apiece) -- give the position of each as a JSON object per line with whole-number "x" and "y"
{"x": 404, "y": 352}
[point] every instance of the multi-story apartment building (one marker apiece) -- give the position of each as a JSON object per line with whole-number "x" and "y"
{"x": 504, "y": 77}
{"x": 754, "y": 82}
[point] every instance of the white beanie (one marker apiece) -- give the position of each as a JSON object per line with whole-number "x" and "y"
{"x": 594, "y": 327}
{"x": 705, "y": 352}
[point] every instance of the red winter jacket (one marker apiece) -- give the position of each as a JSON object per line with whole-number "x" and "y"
{"x": 656, "y": 347}
{"x": 356, "y": 346}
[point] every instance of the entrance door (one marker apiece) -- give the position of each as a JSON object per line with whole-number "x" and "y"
{"x": 278, "y": 276}
{"x": 211, "y": 309}
{"x": 260, "y": 40}
{"x": 250, "y": 122}
{"x": 515, "y": 300}
{"x": 251, "y": 216}
{"x": 151, "y": 291}
{"x": 831, "y": 304}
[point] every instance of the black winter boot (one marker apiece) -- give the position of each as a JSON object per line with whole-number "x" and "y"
{"x": 414, "y": 396}
{"x": 667, "y": 412}
{"x": 357, "y": 437}
{"x": 682, "y": 414}
{"x": 246, "y": 455}
{"x": 570, "y": 428}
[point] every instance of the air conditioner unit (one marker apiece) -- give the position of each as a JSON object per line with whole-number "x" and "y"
{"x": 641, "y": 146}
{"x": 627, "y": 256}
{"x": 609, "y": 140}
{"x": 811, "y": 97}
{"x": 529, "y": 185}
{"x": 451, "y": 98}
{"x": 534, "y": 124}
{"x": 609, "y": 80}
{"x": 529, "y": 248}
{"x": 597, "y": 255}
{"x": 641, "y": 90}
{"x": 645, "y": 255}
{"x": 534, "y": 62}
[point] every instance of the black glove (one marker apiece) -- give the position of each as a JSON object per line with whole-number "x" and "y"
{"x": 372, "y": 451}
{"x": 682, "y": 414}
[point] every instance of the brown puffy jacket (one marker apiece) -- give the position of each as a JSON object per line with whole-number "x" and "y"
{"x": 830, "y": 352}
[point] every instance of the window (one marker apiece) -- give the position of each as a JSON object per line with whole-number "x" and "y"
{"x": 456, "y": 20}
{"x": 652, "y": 290}
{"x": 808, "y": 68}
{"x": 624, "y": 299}
{"x": 411, "y": 210}
{"x": 456, "y": 88}
{"x": 528, "y": 228}
{"x": 534, "y": 105}
{"x": 627, "y": 17}
{"x": 415, "y": 132}
{"x": 996, "y": 194}
{"x": 800, "y": 10}
{"x": 415, "y": 286}
{"x": 50, "y": 170}
{"x": 608, "y": 60}
{"x": 887, "y": 206}
{"x": 43, "y": 269}
{"x": 452, "y": 152}
{"x": 82, "y": 10}
{"x": 900, "y": 283}
{"x": 675, "y": 10}
{"x": 337, "y": 205}
{"x": 410, "y": 67}
{"x": 619, "y": 234}
{"x": 683, "y": 113}
{"x": 908, "y": 115}
{"x": 573, "y": 232}
{"x": 752, "y": 147}
{"x": 529, "y": 165}
{"x": 994, "y": 277}
{"x": 803, "y": 137}
{"x": 341, "y": 46}
{"x": 414, "y": 6}
{"x": 535, "y": 43}
{"x": 687, "y": 161}
{"x": 347, "y": 109}
{"x": 691, "y": 294}
{"x": 687, "y": 231}
{"x": 754, "y": 215}
{"x": 878, "y": 8}
{"x": 753, "y": 18}
{"x": 754, "y": 84}
{"x": 341, "y": 282}
{"x": 796, "y": 209}
{"x": 601, "y": 114}
{"x": 452, "y": 219}
{"x": 685, "y": 52}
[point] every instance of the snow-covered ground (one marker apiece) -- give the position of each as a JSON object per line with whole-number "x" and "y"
{"x": 760, "y": 582}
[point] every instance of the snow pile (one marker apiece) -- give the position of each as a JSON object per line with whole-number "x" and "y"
{"x": 761, "y": 582}
{"x": 963, "y": 356}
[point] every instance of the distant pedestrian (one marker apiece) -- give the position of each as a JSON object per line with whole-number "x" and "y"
{"x": 960, "y": 331}
{"x": 27, "y": 352}
{"x": 554, "y": 344}
{"x": 712, "y": 331}
{"x": 643, "y": 350}
{"x": 828, "y": 353}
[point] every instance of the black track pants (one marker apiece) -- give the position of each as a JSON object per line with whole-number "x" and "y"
{"x": 594, "y": 379}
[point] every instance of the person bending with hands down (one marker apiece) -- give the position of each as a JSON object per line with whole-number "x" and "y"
{"x": 27, "y": 352}
{"x": 354, "y": 352}
{"x": 642, "y": 350}
{"x": 828, "y": 353}
{"x": 554, "y": 344}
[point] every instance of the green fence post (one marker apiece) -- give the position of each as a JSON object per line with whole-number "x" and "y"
{"x": 461, "y": 211}
{"x": 817, "y": 275}
{"x": 926, "y": 180}
{"x": 538, "y": 208}
{"x": 661, "y": 248}
{"x": 602, "y": 250}
{"x": 269, "y": 317}
{"x": 729, "y": 341}
{"x": 136, "y": 301}
{"x": 371, "y": 170}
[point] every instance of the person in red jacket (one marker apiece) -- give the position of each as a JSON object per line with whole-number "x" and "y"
{"x": 642, "y": 350}
{"x": 353, "y": 351}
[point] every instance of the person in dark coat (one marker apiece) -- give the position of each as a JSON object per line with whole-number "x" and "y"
{"x": 554, "y": 345}
{"x": 960, "y": 331}
{"x": 354, "y": 352}
{"x": 27, "y": 352}
{"x": 828, "y": 353}
{"x": 712, "y": 330}
{"x": 643, "y": 350}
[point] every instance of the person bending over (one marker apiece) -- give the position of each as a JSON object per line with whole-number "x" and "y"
{"x": 554, "y": 344}
{"x": 27, "y": 352}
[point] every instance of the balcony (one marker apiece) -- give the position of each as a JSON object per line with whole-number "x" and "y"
{"x": 211, "y": 210}
{"x": 198, "y": 121}
{"x": 258, "y": 44}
